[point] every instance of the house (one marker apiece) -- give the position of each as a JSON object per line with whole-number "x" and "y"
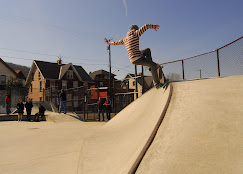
{"x": 101, "y": 78}
{"x": 118, "y": 91}
{"x": 46, "y": 79}
{"x": 7, "y": 73}
{"x": 144, "y": 83}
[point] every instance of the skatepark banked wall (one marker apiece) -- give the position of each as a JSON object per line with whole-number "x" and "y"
{"x": 119, "y": 146}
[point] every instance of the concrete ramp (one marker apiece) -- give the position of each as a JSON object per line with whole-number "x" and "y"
{"x": 119, "y": 146}
{"x": 202, "y": 131}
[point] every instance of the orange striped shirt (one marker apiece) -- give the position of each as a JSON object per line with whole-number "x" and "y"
{"x": 131, "y": 41}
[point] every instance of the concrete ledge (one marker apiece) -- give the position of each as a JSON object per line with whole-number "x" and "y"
{"x": 15, "y": 118}
{"x": 119, "y": 145}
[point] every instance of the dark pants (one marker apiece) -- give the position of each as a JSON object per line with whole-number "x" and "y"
{"x": 108, "y": 113}
{"x": 28, "y": 115}
{"x": 101, "y": 111}
{"x": 146, "y": 60}
{"x": 37, "y": 115}
{"x": 7, "y": 105}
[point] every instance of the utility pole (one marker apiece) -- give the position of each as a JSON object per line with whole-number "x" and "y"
{"x": 109, "y": 49}
{"x": 136, "y": 84}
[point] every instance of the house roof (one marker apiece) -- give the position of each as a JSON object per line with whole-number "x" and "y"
{"x": 5, "y": 64}
{"x": 20, "y": 74}
{"x": 94, "y": 74}
{"x": 51, "y": 70}
{"x": 83, "y": 74}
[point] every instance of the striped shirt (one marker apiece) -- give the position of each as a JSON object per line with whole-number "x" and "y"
{"x": 131, "y": 41}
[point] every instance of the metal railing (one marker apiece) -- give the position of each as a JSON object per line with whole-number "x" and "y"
{"x": 224, "y": 61}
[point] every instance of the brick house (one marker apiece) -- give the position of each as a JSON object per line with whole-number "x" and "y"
{"x": 101, "y": 79}
{"x": 46, "y": 79}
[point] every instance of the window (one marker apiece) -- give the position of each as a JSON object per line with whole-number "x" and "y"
{"x": 101, "y": 84}
{"x": 86, "y": 85}
{"x": 106, "y": 77}
{"x": 52, "y": 85}
{"x": 33, "y": 75}
{"x": 64, "y": 84}
{"x": 31, "y": 88}
{"x": 75, "y": 103}
{"x": 117, "y": 99}
{"x": 75, "y": 85}
{"x": 40, "y": 86}
{"x": 69, "y": 74}
{"x": 69, "y": 99}
{"x": 40, "y": 99}
{"x": 133, "y": 83}
{"x": 39, "y": 75}
{"x": 3, "y": 80}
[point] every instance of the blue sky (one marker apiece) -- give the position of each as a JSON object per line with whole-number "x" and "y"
{"x": 75, "y": 29}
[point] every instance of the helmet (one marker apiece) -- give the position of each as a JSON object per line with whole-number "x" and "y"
{"x": 133, "y": 27}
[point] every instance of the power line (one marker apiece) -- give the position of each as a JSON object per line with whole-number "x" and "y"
{"x": 19, "y": 19}
{"x": 51, "y": 55}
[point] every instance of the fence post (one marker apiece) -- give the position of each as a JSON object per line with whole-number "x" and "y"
{"x": 183, "y": 73}
{"x": 50, "y": 100}
{"x": 114, "y": 104}
{"x": 218, "y": 62}
{"x": 84, "y": 100}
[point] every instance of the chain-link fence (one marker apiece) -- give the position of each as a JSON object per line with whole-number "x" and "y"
{"x": 224, "y": 61}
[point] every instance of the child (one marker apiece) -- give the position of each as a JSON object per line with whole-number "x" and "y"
{"x": 20, "y": 108}
{"x": 137, "y": 57}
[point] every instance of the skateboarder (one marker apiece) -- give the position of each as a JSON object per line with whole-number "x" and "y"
{"x": 137, "y": 57}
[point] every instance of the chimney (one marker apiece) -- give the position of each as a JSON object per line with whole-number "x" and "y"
{"x": 59, "y": 61}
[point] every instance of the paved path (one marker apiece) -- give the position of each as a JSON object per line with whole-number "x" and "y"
{"x": 42, "y": 147}
{"x": 202, "y": 131}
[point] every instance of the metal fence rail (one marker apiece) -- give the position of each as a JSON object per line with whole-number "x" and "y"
{"x": 224, "y": 61}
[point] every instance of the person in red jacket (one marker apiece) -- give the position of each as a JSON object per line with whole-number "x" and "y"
{"x": 7, "y": 103}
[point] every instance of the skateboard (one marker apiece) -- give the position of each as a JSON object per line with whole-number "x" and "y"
{"x": 163, "y": 85}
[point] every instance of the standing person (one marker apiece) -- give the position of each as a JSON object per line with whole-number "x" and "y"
{"x": 7, "y": 103}
{"x": 28, "y": 106}
{"x": 100, "y": 107}
{"x": 137, "y": 57}
{"x": 20, "y": 110}
{"x": 108, "y": 108}
{"x": 63, "y": 102}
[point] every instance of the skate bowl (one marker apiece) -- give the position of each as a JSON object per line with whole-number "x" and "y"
{"x": 201, "y": 131}
{"x": 119, "y": 146}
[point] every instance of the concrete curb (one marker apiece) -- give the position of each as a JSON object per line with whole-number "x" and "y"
{"x": 151, "y": 138}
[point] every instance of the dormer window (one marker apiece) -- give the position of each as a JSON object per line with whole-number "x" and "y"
{"x": 69, "y": 74}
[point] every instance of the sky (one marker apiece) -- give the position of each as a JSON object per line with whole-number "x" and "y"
{"x": 75, "y": 29}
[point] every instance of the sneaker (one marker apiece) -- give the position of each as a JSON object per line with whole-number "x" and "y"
{"x": 159, "y": 85}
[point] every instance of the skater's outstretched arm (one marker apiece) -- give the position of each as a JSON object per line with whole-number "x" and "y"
{"x": 145, "y": 27}
{"x": 118, "y": 42}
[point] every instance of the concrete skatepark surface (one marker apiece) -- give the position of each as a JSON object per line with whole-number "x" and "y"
{"x": 43, "y": 147}
{"x": 119, "y": 145}
{"x": 202, "y": 130}
{"x": 200, "y": 133}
